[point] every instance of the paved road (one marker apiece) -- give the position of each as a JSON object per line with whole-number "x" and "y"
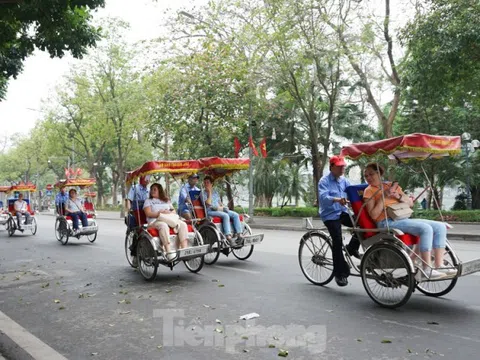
{"x": 84, "y": 301}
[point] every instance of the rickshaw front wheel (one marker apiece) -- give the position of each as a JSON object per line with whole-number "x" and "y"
{"x": 387, "y": 276}
{"x": 441, "y": 287}
{"x": 244, "y": 252}
{"x": 33, "y": 229}
{"x": 196, "y": 264}
{"x": 129, "y": 237}
{"x": 11, "y": 226}
{"x": 210, "y": 237}
{"x": 147, "y": 259}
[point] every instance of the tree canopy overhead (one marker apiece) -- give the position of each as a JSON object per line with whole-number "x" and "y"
{"x": 49, "y": 25}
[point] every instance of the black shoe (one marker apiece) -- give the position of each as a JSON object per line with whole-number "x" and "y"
{"x": 341, "y": 280}
{"x": 353, "y": 253}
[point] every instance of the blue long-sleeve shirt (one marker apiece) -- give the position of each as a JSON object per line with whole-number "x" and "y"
{"x": 329, "y": 187}
{"x": 61, "y": 198}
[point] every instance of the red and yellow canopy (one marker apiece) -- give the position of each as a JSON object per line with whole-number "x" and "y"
{"x": 413, "y": 146}
{"x": 21, "y": 186}
{"x": 214, "y": 166}
{"x": 75, "y": 182}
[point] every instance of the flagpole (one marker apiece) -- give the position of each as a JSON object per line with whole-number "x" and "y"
{"x": 250, "y": 168}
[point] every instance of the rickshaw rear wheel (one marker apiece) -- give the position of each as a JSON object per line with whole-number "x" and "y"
{"x": 244, "y": 252}
{"x": 387, "y": 276}
{"x": 147, "y": 259}
{"x": 34, "y": 226}
{"x": 129, "y": 236}
{"x": 442, "y": 287}
{"x": 196, "y": 264}
{"x": 11, "y": 226}
{"x": 210, "y": 237}
{"x": 316, "y": 258}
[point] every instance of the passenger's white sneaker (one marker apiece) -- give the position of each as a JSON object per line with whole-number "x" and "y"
{"x": 449, "y": 271}
{"x": 431, "y": 274}
{"x": 171, "y": 255}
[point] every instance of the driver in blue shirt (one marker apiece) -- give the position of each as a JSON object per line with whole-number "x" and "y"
{"x": 331, "y": 192}
{"x": 183, "y": 197}
{"x": 60, "y": 200}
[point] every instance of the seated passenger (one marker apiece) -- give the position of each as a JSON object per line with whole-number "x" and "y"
{"x": 75, "y": 209}
{"x": 183, "y": 198}
{"x": 21, "y": 208}
{"x": 61, "y": 200}
{"x": 431, "y": 233}
{"x": 157, "y": 205}
{"x": 211, "y": 198}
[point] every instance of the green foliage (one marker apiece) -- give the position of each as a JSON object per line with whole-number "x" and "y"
{"x": 49, "y": 25}
{"x": 453, "y": 216}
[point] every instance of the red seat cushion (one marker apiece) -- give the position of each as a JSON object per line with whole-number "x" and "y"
{"x": 154, "y": 232}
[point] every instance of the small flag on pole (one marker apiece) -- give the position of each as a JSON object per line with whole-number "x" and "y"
{"x": 252, "y": 145}
{"x": 263, "y": 147}
{"x": 237, "y": 146}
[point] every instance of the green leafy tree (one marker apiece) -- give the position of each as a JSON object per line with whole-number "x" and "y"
{"x": 49, "y": 25}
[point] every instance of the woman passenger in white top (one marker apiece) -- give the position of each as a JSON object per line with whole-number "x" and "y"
{"x": 158, "y": 203}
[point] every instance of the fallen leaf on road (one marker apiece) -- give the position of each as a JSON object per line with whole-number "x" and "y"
{"x": 56, "y": 301}
{"x": 386, "y": 341}
{"x": 168, "y": 291}
{"x": 275, "y": 338}
{"x": 45, "y": 285}
{"x": 61, "y": 308}
{"x": 245, "y": 350}
{"x": 244, "y": 337}
{"x": 57, "y": 283}
{"x": 221, "y": 285}
{"x": 88, "y": 284}
{"x": 125, "y": 312}
{"x": 205, "y": 305}
{"x": 359, "y": 340}
{"x": 218, "y": 321}
{"x": 218, "y": 330}
{"x": 159, "y": 347}
{"x": 214, "y": 280}
{"x": 94, "y": 354}
{"x": 433, "y": 323}
{"x": 283, "y": 353}
{"x": 151, "y": 337}
{"x": 111, "y": 325}
{"x": 271, "y": 346}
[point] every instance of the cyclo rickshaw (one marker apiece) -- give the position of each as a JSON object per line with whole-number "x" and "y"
{"x": 64, "y": 223}
{"x": 4, "y": 189}
{"x": 387, "y": 267}
{"x": 12, "y": 224}
{"x": 211, "y": 227}
{"x": 143, "y": 247}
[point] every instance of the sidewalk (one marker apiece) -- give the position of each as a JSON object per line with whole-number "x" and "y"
{"x": 460, "y": 231}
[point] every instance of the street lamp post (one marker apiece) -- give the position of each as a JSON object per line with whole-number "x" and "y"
{"x": 469, "y": 148}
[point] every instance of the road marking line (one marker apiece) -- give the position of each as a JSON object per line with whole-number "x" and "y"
{"x": 241, "y": 270}
{"x": 28, "y": 342}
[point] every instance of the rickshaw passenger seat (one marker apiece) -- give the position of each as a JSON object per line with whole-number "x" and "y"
{"x": 355, "y": 196}
{"x": 197, "y": 203}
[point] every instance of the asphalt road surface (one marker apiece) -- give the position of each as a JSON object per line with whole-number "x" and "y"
{"x": 84, "y": 301}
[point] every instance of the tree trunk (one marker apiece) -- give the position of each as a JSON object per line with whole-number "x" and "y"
{"x": 231, "y": 200}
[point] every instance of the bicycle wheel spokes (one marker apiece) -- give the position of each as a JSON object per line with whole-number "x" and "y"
{"x": 315, "y": 258}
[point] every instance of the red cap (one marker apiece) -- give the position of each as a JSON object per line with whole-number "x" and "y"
{"x": 337, "y": 161}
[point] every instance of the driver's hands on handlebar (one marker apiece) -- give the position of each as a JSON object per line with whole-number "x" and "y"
{"x": 342, "y": 201}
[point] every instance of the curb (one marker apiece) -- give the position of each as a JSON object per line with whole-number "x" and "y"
{"x": 254, "y": 225}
